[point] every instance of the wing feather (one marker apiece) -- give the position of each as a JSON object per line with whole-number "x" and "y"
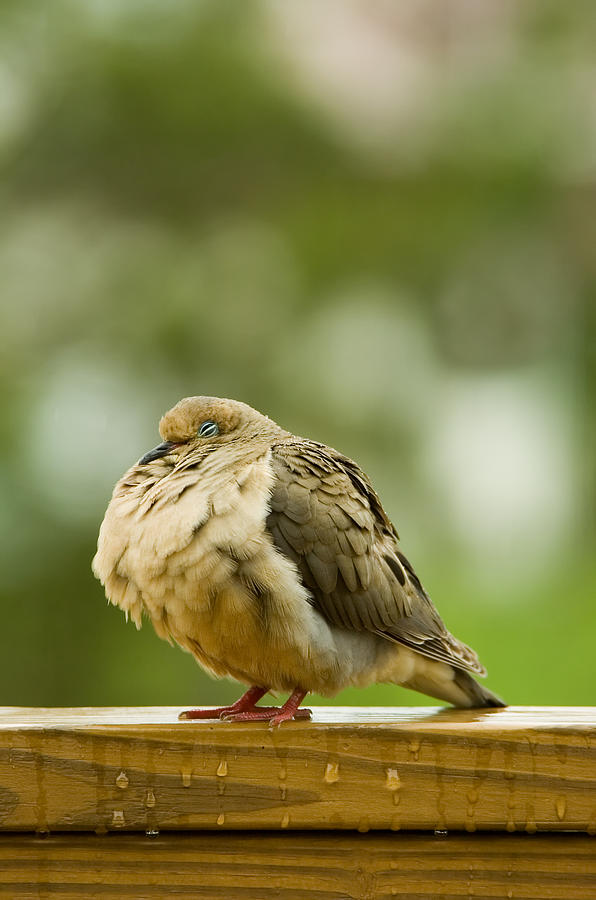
{"x": 326, "y": 517}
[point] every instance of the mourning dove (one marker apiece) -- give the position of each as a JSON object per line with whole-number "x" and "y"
{"x": 270, "y": 558}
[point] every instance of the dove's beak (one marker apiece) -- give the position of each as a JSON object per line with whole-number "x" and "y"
{"x": 157, "y": 452}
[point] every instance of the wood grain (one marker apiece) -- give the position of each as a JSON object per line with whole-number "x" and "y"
{"x": 315, "y": 865}
{"x": 517, "y": 769}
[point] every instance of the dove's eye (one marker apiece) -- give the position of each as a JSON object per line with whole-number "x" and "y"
{"x": 208, "y": 429}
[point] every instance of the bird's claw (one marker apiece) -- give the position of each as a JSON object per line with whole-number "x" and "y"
{"x": 275, "y": 715}
{"x": 217, "y": 713}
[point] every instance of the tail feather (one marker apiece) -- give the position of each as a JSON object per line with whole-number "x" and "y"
{"x": 441, "y": 680}
{"x": 478, "y": 695}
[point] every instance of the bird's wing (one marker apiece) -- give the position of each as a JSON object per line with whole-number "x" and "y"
{"x": 326, "y": 517}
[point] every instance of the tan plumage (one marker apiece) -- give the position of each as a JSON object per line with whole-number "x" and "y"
{"x": 270, "y": 558}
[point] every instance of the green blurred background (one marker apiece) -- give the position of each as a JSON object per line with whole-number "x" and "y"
{"x": 373, "y": 221}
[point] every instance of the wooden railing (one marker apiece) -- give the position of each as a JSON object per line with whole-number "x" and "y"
{"x": 358, "y": 803}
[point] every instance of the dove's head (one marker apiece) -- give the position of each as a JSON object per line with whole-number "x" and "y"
{"x": 201, "y": 425}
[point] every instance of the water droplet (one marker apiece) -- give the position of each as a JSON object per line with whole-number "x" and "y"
{"x": 331, "y": 773}
{"x": 470, "y": 827}
{"x": 283, "y": 791}
{"x": 414, "y": 748}
{"x": 101, "y": 830}
{"x": 510, "y": 826}
{"x": 152, "y": 832}
{"x": 42, "y": 832}
{"x": 473, "y": 796}
{"x": 510, "y": 893}
{"x": 395, "y": 824}
{"x": 363, "y": 825}
{"x": 222, "y": 769}
{"x": 122, "y": 781}
{"x": 221, "y": 788}
{"x": 221, "y": 819}
{"x": 441, "y": 832}
{"x": 561, "y": 807}
{"x": 393, "y": 781}
{"x": 531, "y": 826}
{"x": 285, "y": 821}
{"x": 150, "y": 799}
{"x": 283, "y": 773}
{"x": 393, "y": 864}
{"x": 186, "y": 778}
{"x": 118, "y": 819}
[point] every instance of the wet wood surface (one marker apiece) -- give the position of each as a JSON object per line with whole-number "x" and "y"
{"x": 513, "y": 770}
{"x": 313, "y": 865}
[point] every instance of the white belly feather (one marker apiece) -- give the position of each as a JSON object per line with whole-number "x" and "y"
{"x": 200, "y": 562}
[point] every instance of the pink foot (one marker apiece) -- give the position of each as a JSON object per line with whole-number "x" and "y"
{"x": 273, "y": 714}
{"x": 243, "y": 704}
{"x": 244, "y": 709}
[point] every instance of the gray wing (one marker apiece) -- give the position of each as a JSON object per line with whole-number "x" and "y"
{"x": 326, "y": 517}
